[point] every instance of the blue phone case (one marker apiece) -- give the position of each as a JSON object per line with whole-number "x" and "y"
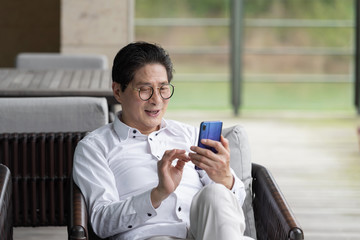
{"x": 209, "y": 130}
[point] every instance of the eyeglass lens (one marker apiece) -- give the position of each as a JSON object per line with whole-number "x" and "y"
{"x": 166, "y": 92}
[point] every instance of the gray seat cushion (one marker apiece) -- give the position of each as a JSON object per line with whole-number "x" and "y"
{"x": 240, "y": 161}
{"x": 52, "y": 114}
{"x": 44, "y": 61}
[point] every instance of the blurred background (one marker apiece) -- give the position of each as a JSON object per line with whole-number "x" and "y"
{"x": 296, "y": 54}
{"x": 297, "y": 82}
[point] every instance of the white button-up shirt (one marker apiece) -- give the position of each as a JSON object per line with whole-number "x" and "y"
{"x": 115, "y": 167}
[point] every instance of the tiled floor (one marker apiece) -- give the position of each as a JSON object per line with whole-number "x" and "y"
{"x": 40, "y": 233}
{"x": 314, "y": 158}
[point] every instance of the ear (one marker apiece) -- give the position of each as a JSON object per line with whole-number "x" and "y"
{"x": 117, "y": 91}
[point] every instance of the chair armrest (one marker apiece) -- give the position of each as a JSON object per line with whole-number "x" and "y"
{"x": 6, "y": 221}
{"x": 78, "y": 214}
{"x": 273, "y": 216}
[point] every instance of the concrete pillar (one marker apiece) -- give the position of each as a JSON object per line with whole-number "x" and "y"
{"x": 96, "y": 26}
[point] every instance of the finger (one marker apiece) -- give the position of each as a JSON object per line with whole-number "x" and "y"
{"x": 181, "y": 154}
{"x": 203, "y": 152}
{"x": 225, "y": 143}
{"x": 202, "y": 161}
{"x": 199, "y": 164}
{"x": 180, "y": 164}
{"x": 170, "y": 155}
{"x": 212, "y": 143}
{"x": 184, "y": 158}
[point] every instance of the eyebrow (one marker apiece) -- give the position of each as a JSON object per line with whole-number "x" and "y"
{"x": 149, "y": 84}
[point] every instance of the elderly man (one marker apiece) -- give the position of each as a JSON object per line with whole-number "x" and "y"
{"x": 138, "y": 173}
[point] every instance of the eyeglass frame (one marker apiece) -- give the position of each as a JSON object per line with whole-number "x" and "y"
{"x": 153, "y": 90}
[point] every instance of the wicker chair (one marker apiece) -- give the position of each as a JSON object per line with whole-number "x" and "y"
{"x": 6, "y": 229}
{"x": 38, "y": 137}
{"x": 274, "y": 219}
{"x": 273, "y": 216}
{"x": 267, "y": 214}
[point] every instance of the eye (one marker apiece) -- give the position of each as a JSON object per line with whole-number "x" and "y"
{"x": 145, "y": 89}
{"x": 164, "y": 88}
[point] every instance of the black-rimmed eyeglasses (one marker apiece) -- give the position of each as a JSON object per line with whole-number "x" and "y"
{"x": 146, "y": 92}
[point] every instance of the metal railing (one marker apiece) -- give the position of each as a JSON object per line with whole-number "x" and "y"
{"x": 244, "y": 50}
{"x": 253, "y": 23}
{"x": 225, "y": 22}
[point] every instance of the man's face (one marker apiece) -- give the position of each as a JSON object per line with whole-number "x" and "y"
{"x": 145, "y": 116}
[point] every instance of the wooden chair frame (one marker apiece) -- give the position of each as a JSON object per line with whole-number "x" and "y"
{"x": 274, "y": 219}
{"x": 6, "y": 227}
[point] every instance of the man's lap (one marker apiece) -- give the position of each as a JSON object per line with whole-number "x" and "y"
{"x": 165, "y": 238}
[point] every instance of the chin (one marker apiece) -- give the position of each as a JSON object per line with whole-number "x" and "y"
{"x": 155, "y": 123}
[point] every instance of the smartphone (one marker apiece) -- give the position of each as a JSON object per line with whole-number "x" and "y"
{"x": 209, "y": 130}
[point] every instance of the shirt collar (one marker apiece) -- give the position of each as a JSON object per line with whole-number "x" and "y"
{"x": 124, "y": 131}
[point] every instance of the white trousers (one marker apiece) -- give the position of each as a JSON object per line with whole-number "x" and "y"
{"x": 215, "y": 214}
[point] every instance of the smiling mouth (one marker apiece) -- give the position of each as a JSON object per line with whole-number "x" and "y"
{"x": 152, "y": 113}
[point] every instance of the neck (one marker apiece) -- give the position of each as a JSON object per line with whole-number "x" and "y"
{"x": 145, "y": 132}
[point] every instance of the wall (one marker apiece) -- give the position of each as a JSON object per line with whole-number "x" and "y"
{"x": 96, "y": 26}
{"x": 28, "y": 26}
{"x": 68, "y": 26}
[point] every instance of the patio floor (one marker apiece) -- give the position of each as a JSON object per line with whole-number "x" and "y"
{"x": 314, "y": 158}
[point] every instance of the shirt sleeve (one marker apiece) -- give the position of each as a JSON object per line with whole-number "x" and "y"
{"x": 109, "y": 215}
{"x": 238, "y": 189}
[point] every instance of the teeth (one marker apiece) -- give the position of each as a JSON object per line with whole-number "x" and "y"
{"x": 152, "y": 112}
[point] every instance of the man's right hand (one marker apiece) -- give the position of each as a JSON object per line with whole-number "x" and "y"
{"x": 169, "y": 175}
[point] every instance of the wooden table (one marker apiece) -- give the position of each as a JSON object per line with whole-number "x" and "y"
{"x": 51, "y": 83}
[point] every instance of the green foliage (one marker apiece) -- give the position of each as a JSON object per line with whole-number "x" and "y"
{"x": 181, "y": 8}
{"x": 301, "y": 9}
{"x": 257, "y": 8}
{"x": 297, "y": 96}
{"x": 264, "y": 96}
{"x": 305, "y": 10}
{"x": 209, "y": 8}
{"x": 203, "y": 94}
{"x": 160, "y": 9}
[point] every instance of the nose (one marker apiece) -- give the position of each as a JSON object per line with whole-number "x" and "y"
{"x": 156, "y": 97}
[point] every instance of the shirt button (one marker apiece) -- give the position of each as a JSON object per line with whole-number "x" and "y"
{"x": 179, "y": 209}
{"x": 149, "y": 214}
{"x": 134, "y": 136}
{"x": 130, "y": 226}
{"x": 134, "y": 131}
{"x": 150, "y": 139}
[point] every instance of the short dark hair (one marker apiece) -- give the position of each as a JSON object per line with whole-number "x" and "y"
{"x": 136, "y": 55}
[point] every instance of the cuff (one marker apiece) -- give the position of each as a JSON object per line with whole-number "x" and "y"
{"x": 238, "y": 189}
{"x": 143, "y": 206}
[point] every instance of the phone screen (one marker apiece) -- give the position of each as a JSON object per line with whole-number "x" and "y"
{"x": 209, "y": 130}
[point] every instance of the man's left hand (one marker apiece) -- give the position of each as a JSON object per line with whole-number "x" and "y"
{"x": 216, "y": 165}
